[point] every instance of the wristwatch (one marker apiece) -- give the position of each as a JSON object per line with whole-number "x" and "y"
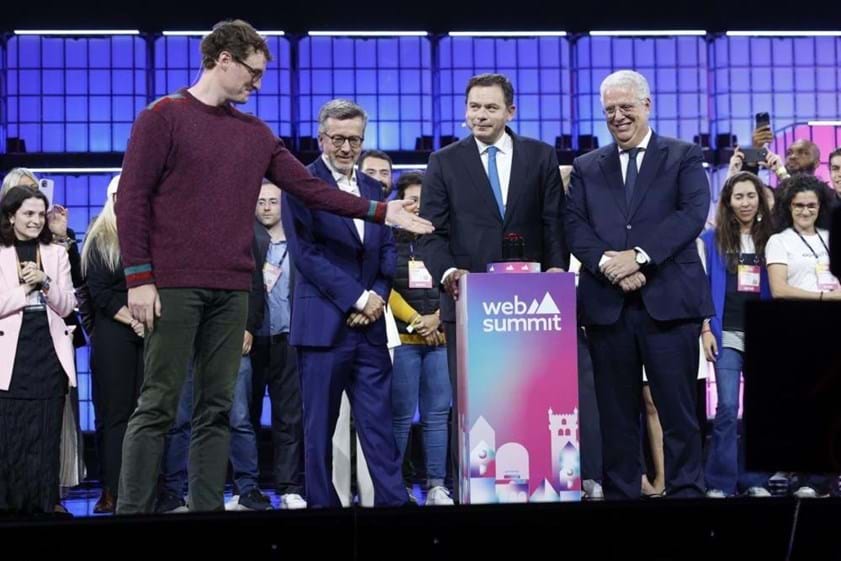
{"x": 45, "y": 284}
{"x": 640, "y": 257}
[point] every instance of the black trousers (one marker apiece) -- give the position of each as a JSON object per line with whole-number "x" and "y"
{"x": 274, "y": 364}
{"x": 669, "y": 351}
{"x": 588, "y": 414}
{"x": 117, "y": 375}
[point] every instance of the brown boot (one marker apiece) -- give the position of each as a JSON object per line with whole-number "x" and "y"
{"x": 105, "y": 504}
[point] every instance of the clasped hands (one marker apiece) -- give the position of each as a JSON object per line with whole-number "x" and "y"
{"x": 622, "y": 269}
{"x": 31, "y": 275}
{"x": 373, "y": 310}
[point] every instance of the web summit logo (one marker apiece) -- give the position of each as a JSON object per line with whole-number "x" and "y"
{"x": 516, "y": 315}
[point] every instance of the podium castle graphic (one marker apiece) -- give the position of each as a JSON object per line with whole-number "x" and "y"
{"x": 502, "y": 474}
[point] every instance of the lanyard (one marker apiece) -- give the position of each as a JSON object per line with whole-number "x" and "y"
{"x": 823, "y": 243}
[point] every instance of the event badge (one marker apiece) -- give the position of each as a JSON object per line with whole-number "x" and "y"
{"x": 419, "y": 277}
{"x": 748, "y": 278}
{"x": 825, "y": 279}
{"x": 271, "y": 273}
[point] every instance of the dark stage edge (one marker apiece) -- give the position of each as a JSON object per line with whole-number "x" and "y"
{"x": 661, "y": 529}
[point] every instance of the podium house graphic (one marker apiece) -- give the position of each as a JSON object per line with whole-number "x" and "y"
{"x": 501, "y": 475}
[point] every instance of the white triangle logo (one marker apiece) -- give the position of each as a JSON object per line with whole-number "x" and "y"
{"x": 533, "y": 307}
{"x": 548, "y": 306}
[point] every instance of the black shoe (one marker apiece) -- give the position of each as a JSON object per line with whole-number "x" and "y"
{"x": 170, "y": 502}
{"x": 255, "y": 500}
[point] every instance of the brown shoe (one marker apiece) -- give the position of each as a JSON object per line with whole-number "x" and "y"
{"x": 105, "y": 504}
{"x": 61, "y": 511}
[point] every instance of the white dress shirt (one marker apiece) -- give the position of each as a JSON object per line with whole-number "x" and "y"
{"x": 624, "y": 158}
{"x": 504, "y": 157}
{"x": 349, "y": 185}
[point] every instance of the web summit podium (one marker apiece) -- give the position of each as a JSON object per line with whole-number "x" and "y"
{"x": 517, "y": 387}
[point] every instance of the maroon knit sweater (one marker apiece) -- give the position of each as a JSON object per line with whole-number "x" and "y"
{"x": 188, "y": 191}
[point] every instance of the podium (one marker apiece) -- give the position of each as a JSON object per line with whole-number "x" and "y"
{"x": 518, "y": 388}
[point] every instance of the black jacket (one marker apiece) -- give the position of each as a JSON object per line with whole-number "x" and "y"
{"x": 458, "y": 200}
{"x": 425, "y": 301}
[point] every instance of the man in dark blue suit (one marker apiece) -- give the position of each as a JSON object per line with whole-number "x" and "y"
{"x": 476, "y": 191}
{"x": 346, "y": 269}
{"x": 634, "y": 211}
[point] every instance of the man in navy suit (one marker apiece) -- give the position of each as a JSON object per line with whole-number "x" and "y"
{"x": 346, "y": 270}
{"x": 491, "y": 183}
{"x": 635, "y": 209}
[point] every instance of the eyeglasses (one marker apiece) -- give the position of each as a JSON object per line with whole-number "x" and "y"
{"x": 339, "y": 140}
{"x": 256, "y": 75}
{"x": 625, "y": 109}
{"x": 803, "y": 207}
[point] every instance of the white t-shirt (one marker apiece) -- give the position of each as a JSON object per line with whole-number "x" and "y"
{"x": 788, "y": 249}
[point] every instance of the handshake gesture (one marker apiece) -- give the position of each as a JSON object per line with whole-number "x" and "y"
{"x": 373, "y": 310}
{"x": 622, "y": 269}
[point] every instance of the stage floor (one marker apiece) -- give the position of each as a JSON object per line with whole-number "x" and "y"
{"x": 775, "y": 528}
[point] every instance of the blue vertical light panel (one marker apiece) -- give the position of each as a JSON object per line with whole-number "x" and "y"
{"x": 4, "y": 113}
{"x": 676, "y": 70}
{"x": 178, "y": 65}
{"x": 389, "y": 77}
{"x": 74, "y": 94}
{"x": 795, "y": 79}
{"x": 537, "y": 67}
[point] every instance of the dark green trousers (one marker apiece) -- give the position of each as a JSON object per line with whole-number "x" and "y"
{"x": 207, "y": 324}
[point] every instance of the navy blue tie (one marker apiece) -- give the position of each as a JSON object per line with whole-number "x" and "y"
{"x": 493, "y": 177}
{"x": 631, "y": 174}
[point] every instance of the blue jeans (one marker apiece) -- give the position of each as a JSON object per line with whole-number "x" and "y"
{"x": 420, "y": 373}
{"x": 724, "y": 468}
{"x": 243, "y": 453}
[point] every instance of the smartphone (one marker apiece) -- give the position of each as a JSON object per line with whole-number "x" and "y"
{"x": 763, "y": 120}
{"x": 754, "y": 155}
{"x": 47, "y": 187}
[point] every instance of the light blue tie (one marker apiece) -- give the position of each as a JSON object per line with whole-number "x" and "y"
{"x": 493, "y": 176}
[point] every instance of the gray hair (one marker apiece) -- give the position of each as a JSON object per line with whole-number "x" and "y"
{"x": 626, "y": 79}
{"x": 341, "y": 110}
{"x": 13, "y": 178}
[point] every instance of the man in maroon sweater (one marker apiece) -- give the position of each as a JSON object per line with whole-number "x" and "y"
{"x": 191, "y": 176}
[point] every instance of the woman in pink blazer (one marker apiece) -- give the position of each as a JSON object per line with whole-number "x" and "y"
{"x": 36, "y": 353}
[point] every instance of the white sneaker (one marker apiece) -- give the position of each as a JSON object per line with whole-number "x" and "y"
{"x": 438, "y": 495}
{"x": 716, "y": 494}
{"x": 806, "y": 492}
{"x": 233, "y": 504}
{"x": 292, "y": 501}
{"x": 758, "y": 492}
{"x": 592, "y": 490}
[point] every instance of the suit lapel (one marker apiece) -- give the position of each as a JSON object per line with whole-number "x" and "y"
{"x": 369, "y": 192}
{"x": 326, "y": 175}
{"x": 9, "y": 266}
{"x": 609, "y": 163}
{"x": 653, "y": 160}
{"x": 478, "y": 175}
{"x": 516, "y": 183}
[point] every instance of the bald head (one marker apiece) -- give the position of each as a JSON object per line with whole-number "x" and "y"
{"x": 803, "y": 156}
